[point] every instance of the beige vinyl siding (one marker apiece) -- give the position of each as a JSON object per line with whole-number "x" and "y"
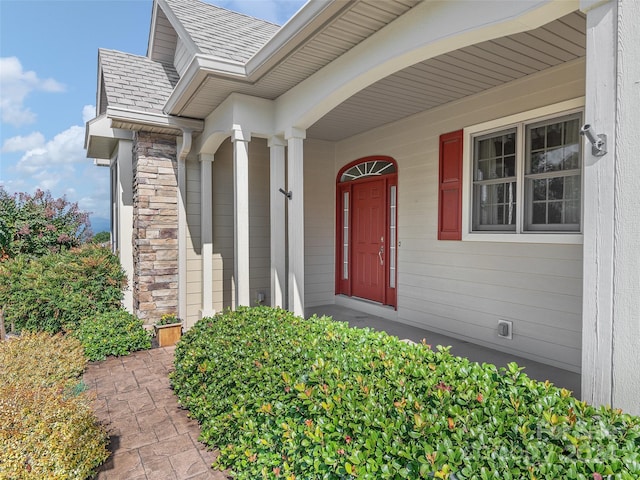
{"x": 463, "y": 288}
{"x": 194, "y": 242}
{"x": 182, "y": 58}
{"x": 259, "y": 232}
{"x": 319, "y": 227}
{"x": 223, "y": 227}
{"x": 164, "y": 39}
{"x": 259, "y": 252}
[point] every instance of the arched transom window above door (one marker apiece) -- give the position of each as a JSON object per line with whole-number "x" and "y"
{"x": 369, "y": 168}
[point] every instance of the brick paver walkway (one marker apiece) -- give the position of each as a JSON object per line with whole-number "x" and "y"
{"x": 151, "y": 437}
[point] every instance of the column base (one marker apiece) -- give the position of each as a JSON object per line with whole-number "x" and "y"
{"x": 206, "y": 313}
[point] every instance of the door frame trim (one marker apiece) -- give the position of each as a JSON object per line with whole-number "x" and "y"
{"x": 343, "y": 286}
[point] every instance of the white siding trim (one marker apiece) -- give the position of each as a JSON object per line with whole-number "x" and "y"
{"x": 611, "y": 303}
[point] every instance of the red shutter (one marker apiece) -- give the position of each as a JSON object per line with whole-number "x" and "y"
{"x": 450, "y": 188}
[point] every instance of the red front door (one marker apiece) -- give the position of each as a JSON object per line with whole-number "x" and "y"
{"x": 368, "y": 237}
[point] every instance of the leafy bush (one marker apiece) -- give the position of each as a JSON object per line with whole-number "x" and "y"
{"x": 112, "y": 333}
{"x": 290, "y": 398}
{"x": 47, "y": 426}
{"x": 38, "y": 360}
{"x": 39, "y": 224}
{"x": 56, "y": 291}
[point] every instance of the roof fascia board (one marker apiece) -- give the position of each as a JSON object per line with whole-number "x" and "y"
{"x": 151, "y": 119}
{"x": 199, "y": 68}
{"x": 99, "y": 132}
{"x": 101, "y": 127}
{"x": 152, "y": 30}
{"x": 431, "y": 29}
{"x": 100, "y": 82}
{"x": 310, "y": 19}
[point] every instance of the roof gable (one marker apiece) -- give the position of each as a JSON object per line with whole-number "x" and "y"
{"x": 219, "y": 32}
{"x": 162, "y": 37}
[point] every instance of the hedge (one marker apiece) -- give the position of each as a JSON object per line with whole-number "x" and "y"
{"x": 284, "y": 397}
{"x": 47, "y": 426}
{"x": 114, "y": 333}
{"x": 56, "y": 291}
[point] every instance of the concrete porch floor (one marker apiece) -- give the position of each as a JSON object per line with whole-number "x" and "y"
{"x": 476, "y": 353}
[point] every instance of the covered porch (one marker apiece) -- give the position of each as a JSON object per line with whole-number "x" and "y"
{"x": 474, "y": 352}
{"x": 535, "y": 74}
{"x": 490, "y": 208}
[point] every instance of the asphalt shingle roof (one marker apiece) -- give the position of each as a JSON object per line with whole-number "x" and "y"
{"x": 220, "y": 32}
{"x": 136, "y": 82}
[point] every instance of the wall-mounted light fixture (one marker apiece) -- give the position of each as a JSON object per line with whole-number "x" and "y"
{"x": 598, "y": 142}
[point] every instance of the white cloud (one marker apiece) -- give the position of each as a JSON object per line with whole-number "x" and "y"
{"x": 22, "y": 144}
{"x": 15, "y": 85}
{"x": 54, "y": 164}
{"x": 66, "y": 148}
{"x": 59, "y": 165}
{"x": 88, "y": 113}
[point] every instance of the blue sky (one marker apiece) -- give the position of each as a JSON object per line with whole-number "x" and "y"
{"x": 48, "y": 68}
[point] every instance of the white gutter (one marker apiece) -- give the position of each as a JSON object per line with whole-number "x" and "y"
{"x": 312, "y": 17}
{"x": 152, "y": 119}
{"x": 306, "y": 22}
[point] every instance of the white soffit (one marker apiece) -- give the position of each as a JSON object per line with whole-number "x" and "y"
{"x": 455, "y": 75}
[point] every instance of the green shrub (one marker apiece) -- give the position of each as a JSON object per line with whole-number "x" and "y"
{"x": 284, "y": 397}
{"x": 47, "y": 426}
{"x": 56, "y": 291}
{"x": 112, "y": 333}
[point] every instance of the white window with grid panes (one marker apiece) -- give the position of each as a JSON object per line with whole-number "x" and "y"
{"x": 523, "y": 177}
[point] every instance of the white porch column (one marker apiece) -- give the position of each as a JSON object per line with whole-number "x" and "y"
{"x": 123, "y": 220}
{"x": 295, "y": 167}
{"x": 241, "y": 141}
{"x": 206, "y": 233}
{"x": 611, "y": 265}
{"x": 277, "y": 221}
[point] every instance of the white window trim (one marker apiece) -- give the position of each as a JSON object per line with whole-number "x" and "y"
{"x": 516, "y": 120}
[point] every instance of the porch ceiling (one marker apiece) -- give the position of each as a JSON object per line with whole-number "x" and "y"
{"x": 453, "y": 76}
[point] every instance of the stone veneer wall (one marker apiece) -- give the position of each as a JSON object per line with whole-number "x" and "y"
{"x": 155, "y": 226}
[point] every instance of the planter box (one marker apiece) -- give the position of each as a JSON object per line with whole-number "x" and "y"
{"x": 168, "y": 335}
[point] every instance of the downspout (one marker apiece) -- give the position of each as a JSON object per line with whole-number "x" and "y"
{"x": 185, "y": 148}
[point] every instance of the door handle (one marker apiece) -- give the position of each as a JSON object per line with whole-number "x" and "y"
{"x": 380, "y": 254}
